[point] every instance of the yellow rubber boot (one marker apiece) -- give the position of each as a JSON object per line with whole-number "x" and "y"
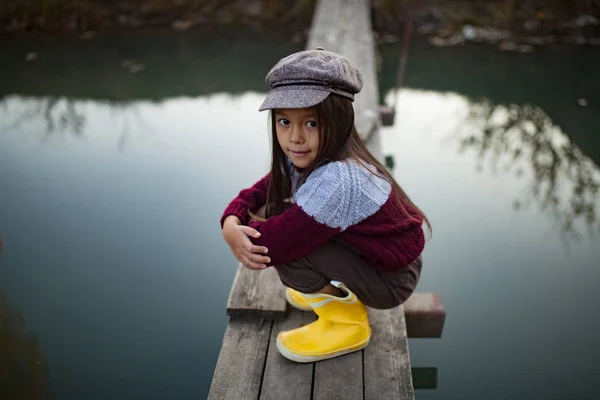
{"x": 296, "y": 300}
{"x": 342, "y": 328}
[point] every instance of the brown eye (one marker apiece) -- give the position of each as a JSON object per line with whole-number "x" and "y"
{"x": 311, "y": 124}
{"x": 283, "y": 122}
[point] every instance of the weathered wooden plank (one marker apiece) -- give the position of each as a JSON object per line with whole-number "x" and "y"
{"x": 344, "y": 27}
{"x": 339, "y": 378}
{"x": 257, "y": 294}
{"x": 387, "y": 372}
{"x": 285, "y": 379}
{"x": 425, "y": 315}
{"x": 239, "y": 369}
{"x": 325, "y": 28}
{"x": 359, "y": 47}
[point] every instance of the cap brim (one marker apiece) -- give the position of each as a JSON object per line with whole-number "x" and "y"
{"x": 293, "y": 98}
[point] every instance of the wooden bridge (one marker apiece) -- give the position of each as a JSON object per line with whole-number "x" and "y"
{"x": 249, "y": 365}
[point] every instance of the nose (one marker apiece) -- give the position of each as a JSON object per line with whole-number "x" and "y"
{"x": 296, "y": 135}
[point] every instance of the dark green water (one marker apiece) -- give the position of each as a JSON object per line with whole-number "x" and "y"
{"x": 112, "y": 184}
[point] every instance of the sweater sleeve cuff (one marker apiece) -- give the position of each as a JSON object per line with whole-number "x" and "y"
{"x": 235, "y": 209}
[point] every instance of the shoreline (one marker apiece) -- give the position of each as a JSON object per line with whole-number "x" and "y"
{"x": 512, "y": 26}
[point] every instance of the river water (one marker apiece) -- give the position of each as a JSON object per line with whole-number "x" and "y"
{"x": 118, "y": 155}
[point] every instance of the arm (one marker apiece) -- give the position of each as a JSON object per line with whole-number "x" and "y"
{"x": 247, "y": 199}
{"x": 238, "y": 237}
{"x": 333, "y": 198}
{"x": 291, "y": 235}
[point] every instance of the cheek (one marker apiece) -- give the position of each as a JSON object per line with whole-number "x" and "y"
{"x": 314, "y": 141}
{"x": 280, "y": 136}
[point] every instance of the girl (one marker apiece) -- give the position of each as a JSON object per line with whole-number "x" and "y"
{"x": 331, "y": 220}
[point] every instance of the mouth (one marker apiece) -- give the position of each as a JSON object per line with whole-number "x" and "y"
{"x": 299, "y": 153}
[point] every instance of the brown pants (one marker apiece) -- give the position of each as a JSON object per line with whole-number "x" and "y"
{"x": 336, "y": 260}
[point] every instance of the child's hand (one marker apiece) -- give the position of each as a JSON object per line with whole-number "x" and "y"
{"x": 238, "y": 237}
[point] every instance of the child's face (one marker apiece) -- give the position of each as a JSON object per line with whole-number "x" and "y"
{"x": 298, "y": 135}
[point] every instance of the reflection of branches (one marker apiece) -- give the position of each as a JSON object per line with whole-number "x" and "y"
{"x": 59, "y": 116}
{"x": 565, "y": 181}
{"x": 124, "y": 109}
{"x": 26, "y": 116}
{"x": 63, "y": 120}
{"x": 62, "y": 115}
{"x": 22, "y": 368}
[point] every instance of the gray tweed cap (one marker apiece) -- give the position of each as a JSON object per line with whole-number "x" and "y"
{"x": 306, "y": 78}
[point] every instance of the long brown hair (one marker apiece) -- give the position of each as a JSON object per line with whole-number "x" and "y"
{"x": 338, "y": 140}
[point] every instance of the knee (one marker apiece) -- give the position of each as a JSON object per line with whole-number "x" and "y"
{"x": 387, "y": 304}
{"x": 297, "y": 276}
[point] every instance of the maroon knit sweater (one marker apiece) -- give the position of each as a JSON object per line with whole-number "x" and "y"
{"x": 338, "y": 199}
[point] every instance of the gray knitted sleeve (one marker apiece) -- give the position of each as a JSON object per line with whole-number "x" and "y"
{"x": 342, "y": 193}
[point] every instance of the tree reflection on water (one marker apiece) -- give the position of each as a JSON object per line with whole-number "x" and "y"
{"x": 64, "y": 115}
{"x": 22, "y": 367}
{"x": 560, "y": 178}
{"x": 60, "y": 115}
{"x": 564, "y": 181}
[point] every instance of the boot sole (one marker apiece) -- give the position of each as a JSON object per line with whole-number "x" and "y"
{"x": 294, "y": 304}
{"x": 306, "y": 359}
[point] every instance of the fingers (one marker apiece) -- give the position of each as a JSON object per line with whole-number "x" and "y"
{"x": 249, "y": 246}
{"x": 257, "y": 258}
{"x": 252, "y": 248}
{"x": 249, "y": 254}
{"x": 250, "y": 231}
{"x": 257, "y": 249}
{"x": 250, "y": 264}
